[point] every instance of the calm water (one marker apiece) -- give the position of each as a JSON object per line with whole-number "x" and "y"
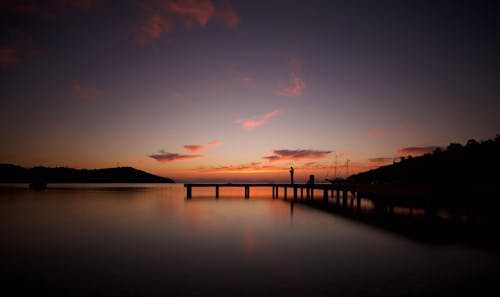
{"x": 148, "y": 240}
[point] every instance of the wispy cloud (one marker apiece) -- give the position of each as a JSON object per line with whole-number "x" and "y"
{"x": 296, "y": 85}
{"x": 84, "y": 92}
{"x": 296, "y": 155}
{"x": 401, "y": 131}
{"x": 246, "y": 78}
{"x": 377, "y": 132}
{"x": 260, "y": 167}
{"x": 153, "y": 28}
{"x": 272, "y": 158}
{"x": 380, "y": 160}
{"x": 241, "y": 75}
{"x": 255, "y": 167}
{"x": 165, "y": 157}
{"x": 294, "y": 88}
{"x": 165, "y": 14}
{"x": 228, "y": 17}
{"x": 416, "y": 150}
{"x": 200, "y": 12}
{"x": 194, "y": 148}
{"x": 280, "y": 171}
{"x": 256, "y": 121}
{"x": 192, "y": 11}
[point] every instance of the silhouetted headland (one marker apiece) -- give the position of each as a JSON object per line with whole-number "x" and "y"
{"x": 16, "y": 174}
{"x": 473, "y": 167}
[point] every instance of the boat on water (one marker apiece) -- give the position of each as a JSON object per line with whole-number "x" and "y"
{"x": 336, "y": 181}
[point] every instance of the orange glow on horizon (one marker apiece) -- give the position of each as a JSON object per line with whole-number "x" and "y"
{"x": 259, "y": 172}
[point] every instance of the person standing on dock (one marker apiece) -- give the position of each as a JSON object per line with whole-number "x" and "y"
{"x": 291, "y": 174}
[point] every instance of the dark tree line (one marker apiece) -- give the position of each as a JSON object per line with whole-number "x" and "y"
{"x": 475, "y": 163}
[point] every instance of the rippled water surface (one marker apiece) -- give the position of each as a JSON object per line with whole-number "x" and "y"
{"x": 148, "y": 240}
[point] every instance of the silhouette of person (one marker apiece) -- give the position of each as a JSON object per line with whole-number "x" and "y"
{"x": 291, "y": 174}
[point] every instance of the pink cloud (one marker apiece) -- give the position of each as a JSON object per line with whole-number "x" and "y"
{"x": 377, "y": 132}
{"x": 165, "y": 14}
{"x": 255, "y": 167}
{"x": 246, "y": 78}
{"x": 165, "y": 157}
{"x": 416, "y": 150}
{"x": 296, "y": 85}
{"x": 193, "y": 11}
{"x": 228, "y": 17}
{"x": 296, "y": 155}
{"x": 272, "y": 158}
{"x": 241, "y": 75}
{"x": 381, "y": 160}
{"x": 256, "y": 121}
{"x": 193, "y": 148}
{"x": 153, "y": 28}
{"x": 84, "y": 92}
{"x": 281, "y": 171}
{"x": 294, "y": 64}
{"x": 200, "y": 12}
{"x": 215, "y": 142}
{"x": 260, "y": 168}
{"x": 402, "y": 131}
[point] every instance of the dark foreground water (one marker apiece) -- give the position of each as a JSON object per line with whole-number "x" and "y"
{"x": 150, "y": 241}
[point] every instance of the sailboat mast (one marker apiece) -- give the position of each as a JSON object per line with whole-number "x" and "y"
{"x": 335, "y": 177}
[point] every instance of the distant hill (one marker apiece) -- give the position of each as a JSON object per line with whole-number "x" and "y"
{"x": 473, "y": 164}
{"x": 16, "y": 174}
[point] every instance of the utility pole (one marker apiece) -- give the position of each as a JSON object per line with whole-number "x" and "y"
{"x": 335, "y": 166}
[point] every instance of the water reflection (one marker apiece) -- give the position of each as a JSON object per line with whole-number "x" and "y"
{"x": 151, "y": 241}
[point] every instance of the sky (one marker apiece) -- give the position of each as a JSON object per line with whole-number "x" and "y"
{"x": 206, "y": 90}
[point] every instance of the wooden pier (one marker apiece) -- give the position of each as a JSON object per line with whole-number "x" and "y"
{"x": 298, "y": 190}
{"x": 384, "y": 197}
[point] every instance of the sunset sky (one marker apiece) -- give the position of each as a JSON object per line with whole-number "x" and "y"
{"x": 231, "y": 90}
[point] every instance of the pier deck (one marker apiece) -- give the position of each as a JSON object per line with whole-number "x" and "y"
{"x": 308, "y": 188}
{"x": 384, "y": 197}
